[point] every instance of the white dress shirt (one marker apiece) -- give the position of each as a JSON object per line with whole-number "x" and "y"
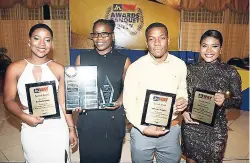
{"x": 146, "y": 73}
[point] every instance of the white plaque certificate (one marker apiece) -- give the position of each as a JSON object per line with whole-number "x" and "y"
{"x": 42, "y": 99}
{"x": 81, "y": 87}
{"x": 203, "y": 108}
{"x": 158, "y": 108}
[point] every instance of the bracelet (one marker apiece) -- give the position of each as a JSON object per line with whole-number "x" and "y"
{"x": 71, "y": 126}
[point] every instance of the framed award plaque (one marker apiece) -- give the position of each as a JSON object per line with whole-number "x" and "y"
{"x": 81, "y": 89}
{"x": 42, "y": 99}
{"x": 203, "y": 107}
{"x": 158, "y": 108}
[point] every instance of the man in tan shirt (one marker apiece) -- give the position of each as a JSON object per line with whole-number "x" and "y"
{"x": 159, "y": 71}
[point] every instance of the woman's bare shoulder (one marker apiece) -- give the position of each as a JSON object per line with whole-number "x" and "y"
{"x": 17, "y": 66}
{"x": 56, "y": 68}
{"x": 56, "y": 65}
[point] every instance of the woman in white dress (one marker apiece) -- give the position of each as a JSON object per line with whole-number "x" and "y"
{"x": 43, "y": 140}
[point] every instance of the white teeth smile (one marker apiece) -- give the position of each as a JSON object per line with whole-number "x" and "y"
{"x": 41, "y": 49}
{"x": 209, "y": 55}
{"x": 100, "y": 43}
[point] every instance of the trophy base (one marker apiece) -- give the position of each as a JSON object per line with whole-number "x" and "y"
{"x": 103, "y": 106}
{"x": 108, "y": 105}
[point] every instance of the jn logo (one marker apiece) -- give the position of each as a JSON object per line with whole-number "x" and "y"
{"x": 155, "y": 98}
{"x": 117, "y": 7}
{"x": 36, "y": 90}
{"x": 41, "y": 89}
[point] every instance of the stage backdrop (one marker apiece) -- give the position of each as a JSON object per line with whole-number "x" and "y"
{"x": 131, "y": 17}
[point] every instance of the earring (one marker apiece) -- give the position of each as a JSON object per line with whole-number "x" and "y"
{"x": 29, "y": 44}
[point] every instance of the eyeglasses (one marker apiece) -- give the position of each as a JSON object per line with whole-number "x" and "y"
{"x": 102, "y": 34}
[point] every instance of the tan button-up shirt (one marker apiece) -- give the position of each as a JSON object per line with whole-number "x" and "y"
{"x": 146, "y": 73}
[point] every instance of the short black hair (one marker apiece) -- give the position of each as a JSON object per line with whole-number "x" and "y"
{"x": 110, "y": 23}
{"x": 40, "y": 25}
{"x": 212, "y": 33}
{"x": 156, "y": 24}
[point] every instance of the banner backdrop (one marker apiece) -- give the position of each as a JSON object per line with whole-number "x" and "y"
{"x": 131, "y": 16}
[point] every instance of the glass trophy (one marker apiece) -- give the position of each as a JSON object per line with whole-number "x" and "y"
{"x": 106, "y": 93}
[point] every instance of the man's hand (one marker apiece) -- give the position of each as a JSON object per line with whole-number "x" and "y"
{"x": 181, "y": 104}
{"x": 154, "y": 131}
{"x": 188, "y": 119}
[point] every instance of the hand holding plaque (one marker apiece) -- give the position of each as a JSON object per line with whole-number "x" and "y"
{"x": 158, "y": 108}
{"x": 106, "y": 92}
{"x": 203, "y": 107}
{"x": 42, "y": 99}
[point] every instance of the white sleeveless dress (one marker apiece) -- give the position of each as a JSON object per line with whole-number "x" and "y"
{"x": 47, "y": 142}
